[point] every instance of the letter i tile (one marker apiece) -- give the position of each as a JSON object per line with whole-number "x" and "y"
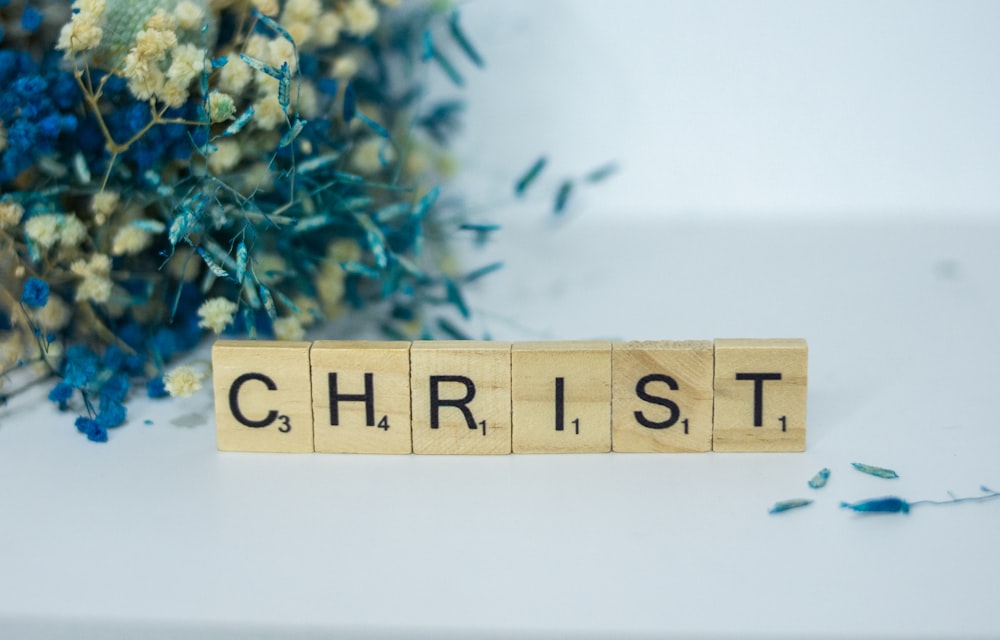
{"x": 561, "y": 397}
{"x": 460, "y": 397}
{"x": 662, "y": 396}
{"x": 263, "y": 396}
{"x": 760, "y": 395}
{"x": 361, "y": 396}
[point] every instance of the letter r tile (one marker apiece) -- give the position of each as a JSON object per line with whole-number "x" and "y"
{"x": 263, "y": 396}
{"x": 361, "y": 396}
{"x": 461, "y": 397}
{"x": 760, "y": 395}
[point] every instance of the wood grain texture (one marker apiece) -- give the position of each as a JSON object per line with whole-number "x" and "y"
{"x": 460, "y": 397}
{"x": 367, "y": 386}
{"x": 263, "y": 399}
{"x": 754, "y": 409}
{"x": 676, "y": 378}
{"x": 561, "y": 397}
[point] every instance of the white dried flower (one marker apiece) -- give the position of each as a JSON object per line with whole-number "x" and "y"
{"x": 328, "y": 28}
{"x": 368, "y": 156}
{"x": 301, "y": 11}
{"x": 188, "y": 15}
{"x": 330, "y": 287}
{"x": 72, "y": 231}
{"x": 301, "y": 32}
{"x": 145, "y": 79}
{"x": 43, "y": 229}
{"x": 281, "y": 51}
{"x": 162, "y": 21}
{"x": 345, "y": 66}
{"x": 104, "y": 203}
{"x": 235, "y": 76}
{"x": 98, "y": 265}
{"x": 79, "y": 35}
{"x": 216, "y": 314}
{"x": 95, "y": 285}
{"x": 55, "y": 315}
{"x": 152, "y": 44}
{"x": 130, "y": 240}
{"x": 289, "y": 328}
{"x": 361, "y": 17}
{"x": 10, "y": 214}
{"x": 11, "y": 349}
{"x": 307, "y": 101}
{"x": 174, "y": 93}
{"x": 267, "y": 7}
{"x": 344, "y": 250}
{"x": 94, "y": 288}
{"x": 221, "y": 107}
{"x": 183, "y": 381}
{"x": 268, "y": 113}
{"x": 308, "y": 310}
{"x": 186, "y": 63}
{"x": 226, "y": 156}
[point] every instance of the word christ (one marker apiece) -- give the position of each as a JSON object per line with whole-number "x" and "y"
{"x": 451, "y": 397}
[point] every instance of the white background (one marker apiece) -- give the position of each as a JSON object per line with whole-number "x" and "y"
{"x": 788, "y": 169}
{"x": 745, "y": 109}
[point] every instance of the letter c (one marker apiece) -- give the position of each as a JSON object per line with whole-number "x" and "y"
{"x": 234, "y": 405}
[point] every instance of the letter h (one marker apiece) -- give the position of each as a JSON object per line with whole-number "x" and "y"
{"x": 368, "y": 397}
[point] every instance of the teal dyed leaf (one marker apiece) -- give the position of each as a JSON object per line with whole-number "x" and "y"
{"x": 601, "y": 173}
{"x": 238, "y": 124}
{"x": 476, "y": 274}
{"x": 350, "y": 103}
{"x": 818, "y": 481}
{"x": 788, "y": 505}
{"x": 463, "y": 41}
{"x": 888, "y": 504}
{"x": 378, "y": 129}
{"x": 454, "y": 295}
{"x": 292, "y": 134}
{"x": 562, "y": 196}
{"x": 878, "y": 472}
{"x": 530, "y": 176}
{"x": 426, "y": 202}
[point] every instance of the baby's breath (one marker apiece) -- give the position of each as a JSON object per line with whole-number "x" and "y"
{"x": 190, "y": 167}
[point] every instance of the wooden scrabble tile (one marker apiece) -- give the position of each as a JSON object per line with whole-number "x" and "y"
{"x": 760, "y": 395}
{"x": 662, "y": 396}
{"x": 263, "y": 398}
{"x": 361, "y": 396}
{"x": 460, "y": 395}
{"x": 561, "y": 397}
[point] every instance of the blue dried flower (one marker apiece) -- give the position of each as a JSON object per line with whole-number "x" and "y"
{"x": 37, "y": 119}
{"x": 61, "y": 393}
{"x": 115, "y": 388}
{"x": 80, "y": 366}
{"x": 93, "y": 429}
{"x": 35, "y": 293}
{"x": 155, "y": 388}
{"x": 111, "y": 415}
{"x": 31, "y": 19}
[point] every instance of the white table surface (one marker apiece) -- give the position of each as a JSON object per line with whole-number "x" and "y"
{"x": 789, "y": 169}
{"x": 156, "y": 534}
